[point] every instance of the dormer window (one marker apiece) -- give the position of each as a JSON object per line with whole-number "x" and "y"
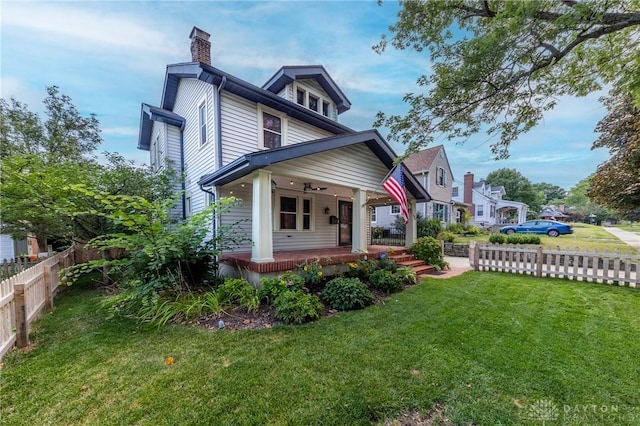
{"x": 314, "y": 101}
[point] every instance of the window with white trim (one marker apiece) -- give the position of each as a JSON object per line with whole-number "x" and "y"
{"x": 395, "y": 209}
{"x": 374, "y": 214}
{"x": 441, "y": 178}
{"x": 202, "y": 123}
{"x": 480, "y": 210}
{"x": 492, "y": 211}
{"x": 440, "y": 212}
{"x": 454, "y": 191}
{"x": 294, "y": 213}
{"x": 187, "y": 206}
{"x": 313, "y": 100}
{"x": 271, "y": 127}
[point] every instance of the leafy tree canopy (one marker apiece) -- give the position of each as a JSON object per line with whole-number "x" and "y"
{"x": 552, "y": 194}
{"x": 616, "y": 183}
{"x": 39, "y": 158}
{"x": 64, "y": 135}
{"x": 499, "y": 65}
{"x": 517, "y": 188}
{"x": 582, "y": 207}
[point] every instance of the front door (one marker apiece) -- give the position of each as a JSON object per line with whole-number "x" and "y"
{"x": 345, "y": 216}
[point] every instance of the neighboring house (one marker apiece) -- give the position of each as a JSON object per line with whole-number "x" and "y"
{"x": 486, "y": 203}
{"x": 305, "y": 180}
{"x": 11, "y": 248}
{"x": 431, "y": 168}
{"x": 553, "y": 213}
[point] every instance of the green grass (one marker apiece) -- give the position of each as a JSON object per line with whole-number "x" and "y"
{"x": 487, "y": 346}
{"x": 630, "y": 226}
{"x": 584, "y": 236}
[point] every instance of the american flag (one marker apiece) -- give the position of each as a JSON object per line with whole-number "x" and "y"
{"x": 394, "y": 185}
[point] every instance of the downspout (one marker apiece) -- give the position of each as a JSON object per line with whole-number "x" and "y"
{"x": 183, "y": 184}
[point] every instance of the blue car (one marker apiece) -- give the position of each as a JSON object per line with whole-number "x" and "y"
{"x": 549, "y": 227}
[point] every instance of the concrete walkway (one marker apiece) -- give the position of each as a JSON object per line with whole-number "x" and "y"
{"x": 626, "y": 237}
{"x": 457, "y": 266}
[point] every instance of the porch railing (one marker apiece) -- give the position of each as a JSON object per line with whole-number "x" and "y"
{"x": 391, "y": 236}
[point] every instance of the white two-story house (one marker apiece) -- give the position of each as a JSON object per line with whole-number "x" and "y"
{"x": 431, "y": 167}
{"x": 486, "y": 203}
{"x": 305, "y": 180}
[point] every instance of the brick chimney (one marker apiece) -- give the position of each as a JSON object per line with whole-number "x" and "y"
{"x": 200, "y": 46}
{"x": 468, "y": 192}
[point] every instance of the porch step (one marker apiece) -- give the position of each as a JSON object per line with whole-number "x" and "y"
{"x": 419, "y": 266}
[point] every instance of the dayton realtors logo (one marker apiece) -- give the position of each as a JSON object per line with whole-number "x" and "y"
{"x": 543, "y": 410}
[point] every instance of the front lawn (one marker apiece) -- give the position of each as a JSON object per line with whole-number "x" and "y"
{"x": 490, "y": 348}
{"x": 584, "y": 236}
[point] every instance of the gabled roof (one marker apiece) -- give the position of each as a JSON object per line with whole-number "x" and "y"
{"x": 237, "y": 86}
{"x": 288, "y": 74}
{"x": 148, "y": 115}
{"x": 421, "y": 161}
{"x": 248, "y": 163}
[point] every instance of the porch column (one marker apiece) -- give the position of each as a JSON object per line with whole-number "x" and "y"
{"x": 262, "y": 218}
{"x": 412, "y": 224}
{"x": 359, "y": 243}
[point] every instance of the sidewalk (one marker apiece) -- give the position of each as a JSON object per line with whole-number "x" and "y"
{"x": 457, "y": 266}
{"x": 626, "y": 237}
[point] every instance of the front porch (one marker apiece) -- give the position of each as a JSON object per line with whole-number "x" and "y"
{"x": 290, "y": 260}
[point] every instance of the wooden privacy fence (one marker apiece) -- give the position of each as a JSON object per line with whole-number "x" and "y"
{"x": 24, "y": 296}
{"x": 604, "y": 267}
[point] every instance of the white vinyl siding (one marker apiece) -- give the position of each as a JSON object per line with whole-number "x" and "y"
{"x": 198, "y": 159}
{"x": 322, "y": 235}
{"x": 239, "y": 127}
{"x": 351, "y": 166}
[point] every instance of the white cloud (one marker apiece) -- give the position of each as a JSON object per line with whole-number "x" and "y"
{"x": 84, "y": 28}
{"x": 120, "y": 131}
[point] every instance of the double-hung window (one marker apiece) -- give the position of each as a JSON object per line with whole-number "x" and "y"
{"x": 395, "y": 209}
{"x": 480, "y": 210}
{"x": 374, "y": 214}
{"x": 441, "y": 179}
{"x": 202, "y": 123}
{"x": 294, "y": 213}
{"x": 271, "y": 128}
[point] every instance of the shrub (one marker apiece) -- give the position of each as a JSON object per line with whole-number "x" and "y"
{"x": 377, "y": 232}
{"x": 311, "y": 272}
{"x": 428, "y": 227}
{"x": 362, "y": 269}
{"x": 346, "y": 294}
{"x": 271, "y": 288}
{"x": 429, "y": 250}
{"x": 238, "y": 292}
{"x": 456, "y": 228}
{"x": 388, "y": 264}
{"x": 385, "y": 281}
{"x": 406, "y": 275}
{"x": 523, "y": 239}
{"x": 497, "y": 239}
{"x": 297, "y": 307}
{"x": 472, "y": 229}
{"x": 447, "y": 237}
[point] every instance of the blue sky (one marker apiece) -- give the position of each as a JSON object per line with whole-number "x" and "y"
{"x": 109, "y": 57}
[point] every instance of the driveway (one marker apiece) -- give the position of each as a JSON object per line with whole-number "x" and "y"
{"x": 625, "y": 236}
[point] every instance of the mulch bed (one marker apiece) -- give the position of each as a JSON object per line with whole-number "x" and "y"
{"x": 264, "y": 317}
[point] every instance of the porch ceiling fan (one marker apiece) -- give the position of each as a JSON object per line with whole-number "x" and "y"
{"x": 309, "y": 188}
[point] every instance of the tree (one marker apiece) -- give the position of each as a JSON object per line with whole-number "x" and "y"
{"x": 616, "y": 183}
{"x": 64, "y": 135}
{"x": 499, "y": 65}
{"x": 581, "y": 207}
{"x": 41, "y": 157}
{"x": 551, "y": 193}
{"x": 517, "y": 187}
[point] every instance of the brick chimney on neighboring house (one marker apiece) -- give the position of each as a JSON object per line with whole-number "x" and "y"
{"x": 200, "y": 46}
{"x": 468, "y": 192}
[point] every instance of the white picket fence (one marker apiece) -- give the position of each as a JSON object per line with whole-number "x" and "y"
{"x": 24, "y": 296}
{"x": 575, "y": 264}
